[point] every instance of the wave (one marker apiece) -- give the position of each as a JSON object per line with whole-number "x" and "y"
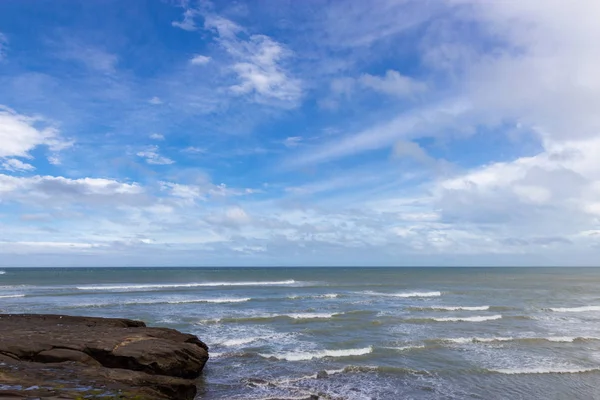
{"x": 218, "y": 301}
{"x": 405, "y": 294}
{"x": 306, "y": 356}
{"x": 241, "y": 341}
{"x": 298, "y": 316}
{"x": 2, "y": 272}
{"x": 350, "y": 369}
{"x": 576, "y": 309}
{"x": 406, "y": 348}
{"x": 128, "y": 287}
{"x": 327, "y": 296}
{"x": 467, "y": 319}
{"x": 318, "y": 296}
{"x": 557, "y": 339}
{"x": 268, "y": 317}
{"x": 152, "y": 302}
{"x": 10, "y": 296}
{"x": 451, "y": 308}
{"x": 542, "y": 370}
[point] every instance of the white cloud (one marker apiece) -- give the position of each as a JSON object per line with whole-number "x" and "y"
{"x": 194, "y": 150}
{"x": 13, "y": 164}
{"x": 258, "y": 62}
{"x": 392, "y": 83}
{"x": 405, "y": 126}
{"x": 54, "y": 160}
{"x": 157, "y": 136}
{"x": 292, "y": 141}
{"x": 412, "y": 150}
{"x": 155, "y": 100}
{"x": 200, "y": 60}
{"x": 19, "y": 134}
{"x": 152, "y": 157}
{"x": 550, "y": 51}
{"x": 187, "y": 23}
{"x": 67, "y": 192}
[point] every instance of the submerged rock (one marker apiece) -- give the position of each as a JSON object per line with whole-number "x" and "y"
{"x": 54, "y": 356}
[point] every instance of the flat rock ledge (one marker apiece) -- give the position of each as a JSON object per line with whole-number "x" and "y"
{"x": 65, "y": 357}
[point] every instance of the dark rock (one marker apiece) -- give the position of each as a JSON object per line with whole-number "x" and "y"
{"x": 53, "y": 356}
{"x": 322, "y": 375}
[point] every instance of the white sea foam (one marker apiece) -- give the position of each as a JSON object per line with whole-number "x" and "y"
{"x": 222, "y": 300}
{"x": 128, "y": 287}
{"x": 404, "y": 294}
{"x": 257, "y": 317}
{"x": 576, "y": 309}
{"x": 406, "y": 348}
{"x": 309, "y": 315}
{"x": 478, "y": 340}
{"x": 2, "y": 272}
{"x": 543, "y": 370}
{"x": 10, "y": 296}
{"x": 468, "y": 319}
{"x": 161, "y": 301}
{"x": 318, "y": 296}
{"x": 241, "y": 341}
{"x": 311, "y": 355}
{"x": 558, "y": 339}
{"x": 454, "y": 308}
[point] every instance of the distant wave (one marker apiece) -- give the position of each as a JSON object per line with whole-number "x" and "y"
{"x": 266, "y": 317}
{"x": 407, "y": 348}
{"x": 157, "y": 301}
{"x": 467, "y": 319}
{"x": 10, "y": 296}
{"x": 350, "y": 369}
{"x": 182, "y": 285}
{"x": 405, "y": 294}
{"x": 311, "y": 355}
{"x": 576, "y": 309}
{"x": 451, "y": 308}
{"x": 542, "y": 370}
{"x": 2, "y": 272}
{"x": 558, "y": 339}
{"x": 317, "y": 296}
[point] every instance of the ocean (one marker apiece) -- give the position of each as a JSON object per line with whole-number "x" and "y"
{"x": 353, "y": 333}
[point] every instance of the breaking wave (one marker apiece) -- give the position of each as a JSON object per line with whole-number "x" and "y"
{"x": 405, "y": 294}
{"x": 311, "y": 355}
{"x": 576, "y": 309}
{"x": 451, "y": 308}
{"x": 467, "y": 319}
{"x": 182, "y": 285}
{"x": 541, "y": 370}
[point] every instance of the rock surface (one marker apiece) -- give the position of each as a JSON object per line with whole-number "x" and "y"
{"x": 65, "y": 357}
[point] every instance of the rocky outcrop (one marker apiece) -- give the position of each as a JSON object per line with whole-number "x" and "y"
{"x": 56, "y": 356}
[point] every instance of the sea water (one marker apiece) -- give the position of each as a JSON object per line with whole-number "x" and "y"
{"x": 379, "y": 333}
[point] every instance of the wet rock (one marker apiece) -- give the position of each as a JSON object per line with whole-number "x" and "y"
{"x": 322, "y": 375}
{"x": 53, "y": 356}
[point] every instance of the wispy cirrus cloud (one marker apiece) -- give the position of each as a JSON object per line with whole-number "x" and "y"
{"x": 151, "y": 156}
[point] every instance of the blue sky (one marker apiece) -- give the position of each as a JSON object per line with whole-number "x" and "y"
{"x": 450, "y": 132}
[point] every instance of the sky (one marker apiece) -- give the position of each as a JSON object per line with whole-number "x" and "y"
{"x": 276, "y": 133}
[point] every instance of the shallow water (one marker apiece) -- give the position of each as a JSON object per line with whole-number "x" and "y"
{"x": 381, "y": 333}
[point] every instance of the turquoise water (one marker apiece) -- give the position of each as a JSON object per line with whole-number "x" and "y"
{"x": 381, "y": 333}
